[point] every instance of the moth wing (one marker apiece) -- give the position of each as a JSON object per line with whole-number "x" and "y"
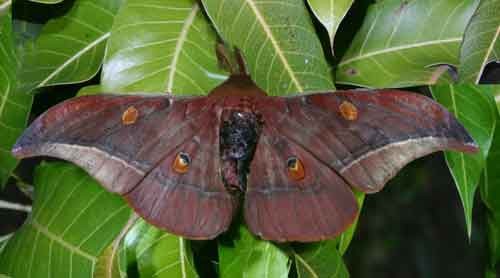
{"x": 89, "y": 131}
{"x": 368, "y": 136}
{"x": 194, "y": 203}
{"x": 280, "y": 208}
{"x": 127, "y": 154}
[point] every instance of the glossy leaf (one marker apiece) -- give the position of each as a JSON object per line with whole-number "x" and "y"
{"x": 330, "y": 14}
{"x": 403, "y": 41}
{"x": 490, "y": 189}
{"x": 112, "y": 262}
{"x": 3, "y": 241}
{"x": 480, "y": 38}
{"x": 14, "y": 106}
{"x": 282, "y": 51}
{"x": 321, "y": 259}
{"x": 161, "y": 46}
{"x": 247, "y": 256}
{"x": 157, "y": 253}
{"x": 70, "y": 48}
{"x": 108, "y": 263}
{"x": 72, "y": 222}
{"x": 475, "y": 109}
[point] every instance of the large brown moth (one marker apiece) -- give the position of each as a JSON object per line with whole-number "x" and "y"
{"x": 186, "y": 164}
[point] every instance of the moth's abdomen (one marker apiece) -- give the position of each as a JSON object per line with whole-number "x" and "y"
{"x": 239, "y": 133}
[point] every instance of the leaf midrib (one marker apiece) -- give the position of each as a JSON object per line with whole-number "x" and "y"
{"x": 77, "y": 55}
{"x": 306, "y": 265}
{"x": 274, "y": 43}
{"x": 178, "y": 46}
{"x": 401, "y": 47}
{"x": 42, "y": 229}
{"x": 487, "y": 55}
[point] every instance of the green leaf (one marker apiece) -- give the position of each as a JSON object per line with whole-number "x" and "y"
{"x": 72, "y": 222}
{"x": 330, "y": 13}
{"x": 3, "y": 241}
{"x": 157, "y": 253}
{"x": 490, "y": 189}
{"x": 113, "y": 261}
{"x": 490, "y": 192}
{"x": 475, "y": 109}
{"x": 345, "y": 238}
{"x": 247, "y": 256}
{"x": 90, "y": 90}
{"x": 480, "y": 38}
{"x": 108, "y": 263}
{"x": 402, "y": 41}
{"x": 281, "y": 49}
{"x": 161, "y": 46}
{"x": 70, "y": 48}
{"x": 321, "y": 259}
{"x": 14, "y": 106}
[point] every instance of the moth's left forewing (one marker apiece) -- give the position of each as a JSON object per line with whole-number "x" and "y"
{"x": 100, "y": 133}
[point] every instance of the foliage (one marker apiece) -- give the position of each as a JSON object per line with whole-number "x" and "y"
{"x": 157, "y": 46}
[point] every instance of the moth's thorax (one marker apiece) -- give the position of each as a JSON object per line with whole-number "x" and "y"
{"x": 239, "y": 133}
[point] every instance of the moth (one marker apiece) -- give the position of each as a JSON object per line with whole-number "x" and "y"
{"x": 186, "y": 164}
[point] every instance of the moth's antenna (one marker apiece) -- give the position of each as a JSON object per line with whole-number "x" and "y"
{"x": 231, "y": 61}
{"x": 241, "y": 62}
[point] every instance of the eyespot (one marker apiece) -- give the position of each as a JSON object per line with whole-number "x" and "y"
{"x": 295, "y": 168}
{"x": 348, "y": 111}
{"x": 181, "y": 163}
{"x": 130, "y": 115}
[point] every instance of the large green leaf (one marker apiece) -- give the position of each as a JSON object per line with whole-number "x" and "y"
{"x": 247, "y": 256}
{"x": 70, "y": 48}
{"x": 321, "y": 259}
{"x": 480, "y": 38}
{"x": 279, "y": 43}
{"x": 161, "y": 46}
{"x": 400, "y": 42}
{"x": 475, "y": 109}
{"x": 14, "y": 106}
{"x": 72, "y": 222}
{"x": 3, "y": 241}
{"x": 330, "y": 13}
{"x": 158, "y": 254}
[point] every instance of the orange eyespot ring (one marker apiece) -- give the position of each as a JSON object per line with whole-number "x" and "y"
{"x": 181, "y": 163}
{"x": 130, "y": 115}
{"x": 348, "y": 111}
{"x": 295, "y": 168}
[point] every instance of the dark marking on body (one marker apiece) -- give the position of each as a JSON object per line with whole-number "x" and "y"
{"x": 239, "y": 134}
